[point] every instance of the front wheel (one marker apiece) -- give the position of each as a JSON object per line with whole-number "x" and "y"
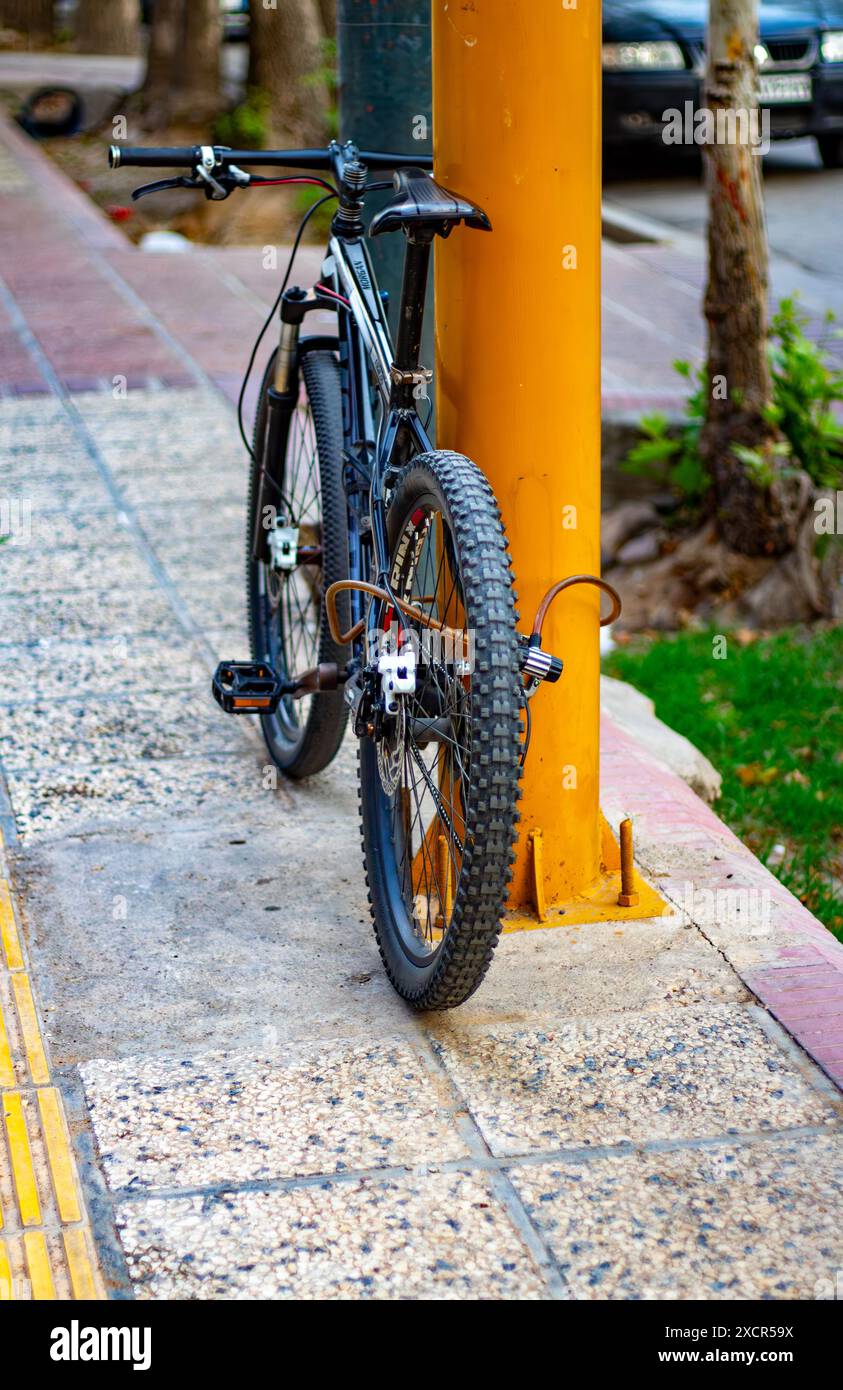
{"x": 439, "y": 786}
{"x": 287, "y": 620}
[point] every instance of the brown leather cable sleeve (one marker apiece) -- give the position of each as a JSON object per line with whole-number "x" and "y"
{"x": 552, "y": 593}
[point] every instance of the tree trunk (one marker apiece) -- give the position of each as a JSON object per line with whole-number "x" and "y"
{"x": 107, "y": 28}
{"x": 199, "y": 94}
{"x": 285, "y": 50}
{"x": 328, "y": 16}
{"x": 758, "y": 509}
{"x": 164, "y": 36}
{"x": 182, "y": 80}
{"x": 31, "y": 17}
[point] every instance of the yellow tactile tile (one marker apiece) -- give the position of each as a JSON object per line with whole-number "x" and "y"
{"x": 60, "y": 1157}
{"x": 20, "y": 1152}
{"x": 46, "y": 1250}
{"x": 38, "y": 1069}
{"x": 38, "y": 1265}
{"x": 5, "y": 1274}
{"x": 7, "y": 1070}
{"x": 8, "y": 929}
{"x": 79, "y": 1262}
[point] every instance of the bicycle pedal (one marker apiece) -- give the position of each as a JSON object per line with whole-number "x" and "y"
{"x": 247, "y": 687}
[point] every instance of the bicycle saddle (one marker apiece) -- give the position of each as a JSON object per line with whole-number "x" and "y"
{"x": 419, "y": 202}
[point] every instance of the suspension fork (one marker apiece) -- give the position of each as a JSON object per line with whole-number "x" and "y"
{"x": 281, "y": 399}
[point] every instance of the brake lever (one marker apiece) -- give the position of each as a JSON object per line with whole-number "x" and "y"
{"x": 214, "y": 190}
{"x": 161, "y": 184}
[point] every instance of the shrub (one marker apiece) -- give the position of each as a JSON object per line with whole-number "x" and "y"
{"x": 245, "y": 127}
{"x": 806, "y": 388}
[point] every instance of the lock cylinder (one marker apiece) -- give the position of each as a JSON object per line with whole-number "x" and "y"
{"x": 540, "y": 665}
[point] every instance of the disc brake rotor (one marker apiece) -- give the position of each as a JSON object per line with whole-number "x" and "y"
{"x": 391, "y": 752}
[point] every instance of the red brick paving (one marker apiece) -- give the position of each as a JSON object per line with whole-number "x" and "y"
{"x": 211, "y": 300}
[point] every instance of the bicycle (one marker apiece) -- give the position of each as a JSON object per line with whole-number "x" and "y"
{"x": 378, "y": 576}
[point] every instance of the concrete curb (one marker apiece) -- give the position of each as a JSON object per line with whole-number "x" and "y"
{"x": 624, "y": 226}
{"x": 783, "y": 954}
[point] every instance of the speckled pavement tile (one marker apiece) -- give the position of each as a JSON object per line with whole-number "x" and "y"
{"x": 223, "y": 1119}
{"x": 120, "y": 607}
{"x": 185, "y": 455}
{"x": 27, "y": 429}
{"x": 440, "y": 1237}
{"x": 181, "y": 433}
{"x": 96, "y": 556}
{"x": 756, "y": 1220}
{"x": 61, "y": 484}
{"x": 182, "y": 488}
{"x": 211, "y": 586}
{"x": 218, "y": 603}
{"x": 157, "y": 412}
{"x": 231, "y": 642}
{"x": 78, "y": 530}
{"x": 691, "y": 1073}
{"x": 131, "y": 727}
{"x": 200, "y": 531}
{"x": 66, "y": 796}
{"x": 203, "y": 537}
{"x": 217, "y": 564}
{"x": 52, "y": 668}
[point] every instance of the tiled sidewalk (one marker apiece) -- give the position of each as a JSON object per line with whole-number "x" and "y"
{"x": 268, "y": 1120}
{"x": 255, "y": 1114}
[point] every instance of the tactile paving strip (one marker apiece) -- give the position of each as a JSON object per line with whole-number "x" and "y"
{"x": 46, "y": 1249}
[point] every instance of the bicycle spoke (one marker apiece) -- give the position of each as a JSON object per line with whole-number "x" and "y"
{"x": 294, "y": 598}
{"x": 428, "y": 815}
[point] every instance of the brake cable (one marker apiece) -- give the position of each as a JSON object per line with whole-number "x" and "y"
{"x": 270, "y": 316}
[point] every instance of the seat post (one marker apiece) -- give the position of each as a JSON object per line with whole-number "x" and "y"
{"x": 411, "y": 309}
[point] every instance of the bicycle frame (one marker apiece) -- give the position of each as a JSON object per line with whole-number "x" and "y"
{"x": 364, "y": 341}
{"x": 376, "y": 442}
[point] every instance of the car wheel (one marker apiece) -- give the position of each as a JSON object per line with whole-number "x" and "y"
{"x": 831, "y": 150}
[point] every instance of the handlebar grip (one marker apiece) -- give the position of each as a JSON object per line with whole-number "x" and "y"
{"x": 380, "y": 159}
{"x": 148, "y": 157}
{"x": 187, "y": 156}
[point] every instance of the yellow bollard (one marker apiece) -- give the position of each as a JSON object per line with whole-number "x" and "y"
{"x": 516, "y": 126}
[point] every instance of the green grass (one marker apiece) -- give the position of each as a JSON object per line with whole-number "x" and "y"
{"x": 770, "y": 717}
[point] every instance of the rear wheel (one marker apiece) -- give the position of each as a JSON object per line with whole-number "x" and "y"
{"x": 439, "y": 789}
{"x": 287, "y": 622}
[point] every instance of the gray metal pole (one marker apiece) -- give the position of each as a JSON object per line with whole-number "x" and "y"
{"x": 385, "y": 103}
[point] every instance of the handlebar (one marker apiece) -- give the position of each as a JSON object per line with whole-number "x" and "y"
{"x": 188, "y": 156}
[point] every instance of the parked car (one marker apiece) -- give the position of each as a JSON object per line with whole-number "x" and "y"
{"x": 654, "y": 59}
{"x": 235, "y": 19}
{"x": 235, "y": 16}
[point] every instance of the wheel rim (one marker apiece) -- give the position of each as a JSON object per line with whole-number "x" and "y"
{"x": 290, "y": 602}
{"x": 423, "y": 821}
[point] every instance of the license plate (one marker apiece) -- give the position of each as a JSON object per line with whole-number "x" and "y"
{"x": 786, "y": 87}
